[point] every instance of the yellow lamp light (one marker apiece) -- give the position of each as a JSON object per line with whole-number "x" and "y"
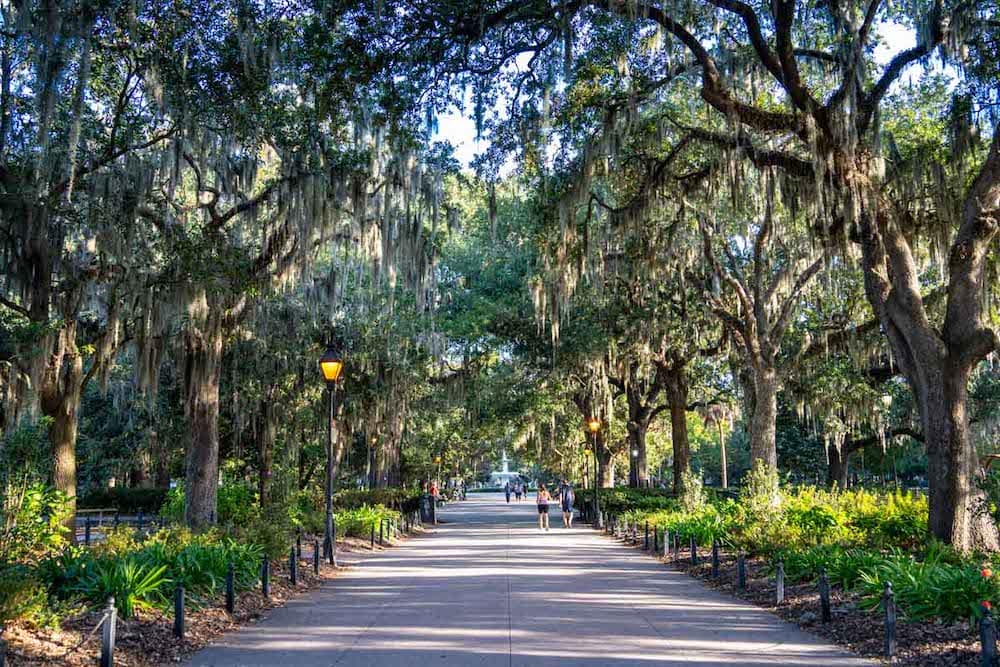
{"x": 594, "y": 424}
{"x": 332, "y": 365}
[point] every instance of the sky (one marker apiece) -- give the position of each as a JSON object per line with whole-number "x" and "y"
{"x": 460, "y": 129}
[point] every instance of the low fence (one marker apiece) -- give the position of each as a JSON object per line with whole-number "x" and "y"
{"x": 671, "y": 545}
{"x": 108, "y": 623}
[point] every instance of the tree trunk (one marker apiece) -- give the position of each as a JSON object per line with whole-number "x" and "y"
{"x": 677, "y": 390}
{"x": 162, "y": 459}
{"x": 836, "y": 471}
{"x": 937, "y": 361}
{"x": 266, "y": 449}
{"x": 202, "y": 371}
{"x": 764, "y": 419}
{"x": 605, "y": 459}
{"x": 637, "y": 428}
{"x": 62, "y": 384}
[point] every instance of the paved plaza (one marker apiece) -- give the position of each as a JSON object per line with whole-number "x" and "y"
{"x": 487, "y": 588}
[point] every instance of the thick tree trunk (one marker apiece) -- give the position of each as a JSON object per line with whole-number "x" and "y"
{"x": 266, "y": 450}
{"x": 836, "y": 471}
{"x": 605, "y": 459}
{"x": 161, "y": 454}
{"x": 676, "y": 385}
{"x": 61, "y": 387}
{"x": 202, "y": 371}
{"x": 763, "y": 422}
{"x": 937, "y": 361}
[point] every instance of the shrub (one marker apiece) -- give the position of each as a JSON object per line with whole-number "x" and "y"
{"x": 31, "y": 521}
{"x": 133, "y": 585}
{"x": 21, "y": 595}
{"x": 236, "y": 506}
{"x": 360, "y": 521}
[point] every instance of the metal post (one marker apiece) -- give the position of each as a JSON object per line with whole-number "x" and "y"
{"x": 597, "y": 477}
{"x": 328, "y": 539}
{"x": 677, "y": 546}
{"x": 298, "y": 544}
{"x": 179, "y": 611}
{"x": 139, "y": 521}
{"x": 373, "y": 537}
{"x": 741, "y": 571}
{"x": 316, "y": 557}
{"x": 889, "y": 605}
{"x": 108, "y": 634}
{"x": 265, "y": 578}
{"x": 86, "y": 531}
{"x": 988, "y": 639}
{"x": 656, "y": 540}
{"x": 694, "y": 550}
{"x": 293, "y": 567}
{"x": 824, "y": 596}
{"x": 117, "y": 518}
{"x": 715, "y": 557}
{"x": 381, "y": 532}
{"x": 666, "y": 542}
{"x": 231, "y": 588}
{"x": 779, "y": 583}
{"x": 645, "y": 537}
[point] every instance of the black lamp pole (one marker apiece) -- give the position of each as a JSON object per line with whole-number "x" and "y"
{"x": 331, "y": 391}
{"x": 597, "y": 481}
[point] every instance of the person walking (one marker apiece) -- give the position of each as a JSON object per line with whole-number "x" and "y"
{"x": 542, "y": 500}
{"x": 518, "y": 490}
{"x": 566, "y": 498}
{"x": 506, "y": 491}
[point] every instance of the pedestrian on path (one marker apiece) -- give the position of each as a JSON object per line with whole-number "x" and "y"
{"x": 506, "y": 491}
{"x": 518, "y": 490}
{"x": 542, "y": 500}
{"x": 566, "y": 498}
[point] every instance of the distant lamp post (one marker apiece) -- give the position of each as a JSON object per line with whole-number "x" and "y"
{"x": 594, "y": 425}
{"x": 370, "y": 462}
{"x": 437, "y": 462}
{"x": 331, "y": 364}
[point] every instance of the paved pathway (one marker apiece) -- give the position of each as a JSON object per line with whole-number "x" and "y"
{"x": 488, "y": 589}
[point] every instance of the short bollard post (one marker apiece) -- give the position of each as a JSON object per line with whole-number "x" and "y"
{"x": 666, "y": 542}
{"x": 316, "y": 557}
{"x": 373, "y": 536}
{"x": 179, "y": 612}
{"x": 381, "y": 532}
{"x": 656, "y": 540}
{"x": 824, "y": 596}
{"x": 694, "y": 550}
{"x": 139, "y": 521}
{"x": 298, "y": 545}
{"x": 231, "y": 588}
{"x": 779, "y": 583}
{"x": 293, "y": 567}
{"x": 117, "y": 518}
{"x": 677, "y": 546}
{"x": 265, "y": 577}
{"x": 108, "y": 634}
{"x": 889, "y": 605}
{"x": 715, "y": 557}
{"x": 987, "y": 639}
{"x": 645, "y": 537}
{"x": 86, "y": 531}
{"x": 741, "y": 571}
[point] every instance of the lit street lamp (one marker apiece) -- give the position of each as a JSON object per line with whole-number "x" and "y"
{"x": 594, "y": 425}
{"x": 331, "y": 364}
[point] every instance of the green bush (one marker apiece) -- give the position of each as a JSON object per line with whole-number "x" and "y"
{"x": 236, "y": 506}
{"x": 359, "y": 522}
{"x": 133, "y": 584}
{"x": 21, "y": 595}
{"x": 31, "y": 521}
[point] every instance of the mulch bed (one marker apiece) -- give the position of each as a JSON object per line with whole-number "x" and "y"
{"x": 861, "y": 631}
{"x": 148, "y": 639}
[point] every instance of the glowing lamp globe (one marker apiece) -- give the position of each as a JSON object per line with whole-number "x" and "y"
{"x": 331, "y": 364}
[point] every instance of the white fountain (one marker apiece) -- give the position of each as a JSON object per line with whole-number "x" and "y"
{"x": 502, "y": 477}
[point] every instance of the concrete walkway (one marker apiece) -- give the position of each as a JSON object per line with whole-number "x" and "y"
{"x": 487, "y": 588}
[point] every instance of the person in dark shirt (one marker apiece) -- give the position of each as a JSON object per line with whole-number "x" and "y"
{"x": 566, "y": 498}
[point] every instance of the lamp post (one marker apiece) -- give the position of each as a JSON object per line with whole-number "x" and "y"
{"x": 635, "y": 468}
{"x": 331, "y": 364}
{"x": 594, "y": 425}
{"x": 368, "y": 462}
